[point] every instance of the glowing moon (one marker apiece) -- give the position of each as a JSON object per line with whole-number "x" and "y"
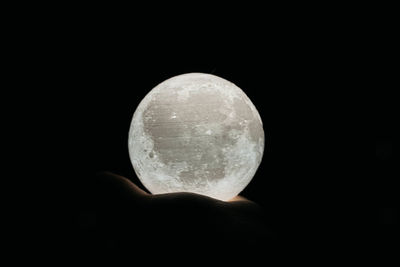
{"x": 196, "y": 133}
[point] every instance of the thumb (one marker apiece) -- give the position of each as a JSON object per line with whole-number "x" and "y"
{"x": 113, "y": 184}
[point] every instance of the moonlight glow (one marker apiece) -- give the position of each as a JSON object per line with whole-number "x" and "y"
{"x": 196, "y": 133}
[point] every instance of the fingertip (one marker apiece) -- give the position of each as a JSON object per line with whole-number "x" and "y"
{"x": 119, "y": 182}
{"x": 238, "y": 198}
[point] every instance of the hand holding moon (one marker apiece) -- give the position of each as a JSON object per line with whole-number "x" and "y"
{"x": 133, "y": 219}
{"x": 196, "y": 133}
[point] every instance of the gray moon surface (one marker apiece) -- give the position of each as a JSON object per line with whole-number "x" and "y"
{"x": 196, "y": 133}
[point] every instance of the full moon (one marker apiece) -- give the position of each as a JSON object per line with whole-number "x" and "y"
{"x": 196, "y": 133}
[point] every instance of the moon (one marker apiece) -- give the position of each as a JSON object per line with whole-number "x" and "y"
{"x": 196, "y": 133}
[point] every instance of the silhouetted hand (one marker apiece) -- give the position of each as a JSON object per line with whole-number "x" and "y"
{"x": 130, "y": 218}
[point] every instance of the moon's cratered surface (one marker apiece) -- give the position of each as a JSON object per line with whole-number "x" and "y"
{"x": 196, "y": 133}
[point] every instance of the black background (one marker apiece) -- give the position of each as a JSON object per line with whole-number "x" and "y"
{"x": 308, "y": 77}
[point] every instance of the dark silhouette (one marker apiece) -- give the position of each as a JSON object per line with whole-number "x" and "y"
{"x": 129, "y": 218}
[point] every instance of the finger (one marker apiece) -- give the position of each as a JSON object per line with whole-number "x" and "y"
{"x": 119, "y": 184}
{"x": 239, "y": 198}
{"x": 241, "y": 203}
